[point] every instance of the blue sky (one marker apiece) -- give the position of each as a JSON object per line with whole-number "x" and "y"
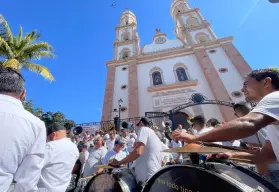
{"x": 83, "y": 31}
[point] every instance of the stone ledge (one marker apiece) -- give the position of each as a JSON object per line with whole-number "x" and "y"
{"x": 173, "y": 86}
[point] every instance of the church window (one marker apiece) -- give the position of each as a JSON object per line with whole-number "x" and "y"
{"x": 223, "y": 70}
{"x": 212, "y": 51}
{"x": 157, "y": 79}
{"x": 125, "y": 36}
{"x": 124, "y": 87}
{"x": 181, "y": 74}
{"x": 123, "y": 109}
{"x": 192, "y": 21}
{"x": 125, "y": 53}
{"x": 202, "y": 38}
{"x": 237, "y": 94}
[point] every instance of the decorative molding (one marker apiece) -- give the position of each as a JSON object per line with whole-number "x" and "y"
{"x": 173, "y": 86}
{"x": 172, "y": 53}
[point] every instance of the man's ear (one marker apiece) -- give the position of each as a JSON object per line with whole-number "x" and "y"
{"x": 268, "y": 82}
{"x": 22, "y": 95}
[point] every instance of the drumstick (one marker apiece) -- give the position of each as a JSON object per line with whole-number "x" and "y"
{"x": 90, "y": 177}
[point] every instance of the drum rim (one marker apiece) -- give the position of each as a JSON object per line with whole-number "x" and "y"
{"x": 120, "y": 181}
{"x": 163, "y": 170}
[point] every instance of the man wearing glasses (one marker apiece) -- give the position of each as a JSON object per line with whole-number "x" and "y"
{"x": 96, "y": 157}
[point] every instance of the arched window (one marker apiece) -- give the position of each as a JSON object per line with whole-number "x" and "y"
{"x": 192, "y": 21}
{"x": 181, "y": 74}
{"x": 157, "y": 78}
{"x": 125, "y": 53}
{"x": 202, "y": 38}
{"x": 125, "y": 36}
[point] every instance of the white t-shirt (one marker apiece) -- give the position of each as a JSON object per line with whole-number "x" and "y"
{"x": 150, "y": 161}
{"x": 130, "y": 144}
{"x": 110, "y": 144}
{"x": 113, "y": 155}
{"x": 60, "y": 158}
{"x": 269, "y": 106}
{"x": 22, "y": 146}
{"x": 95, "y": 158}
{"x": 262, "y": 134}
{"x": 83, "y": 156}
{"x": 175, "y": 145}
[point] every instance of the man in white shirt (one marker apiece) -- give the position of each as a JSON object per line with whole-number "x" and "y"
{"x": 60, "y": 157}
{"x": 261, "y": 86}
{"x": 110, "y": 142}
{"x": 95, "y": 157}
{"x": 177, "y": 157}
{"x": 23, "y": 136}
{"x": 146, "y": 153}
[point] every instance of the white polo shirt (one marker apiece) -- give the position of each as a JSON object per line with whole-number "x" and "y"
{"x": 22, "y": 146}
{"x": 61, "y": 156}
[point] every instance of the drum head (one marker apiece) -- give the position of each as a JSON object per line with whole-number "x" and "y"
{"x": 188, "y": 178}
{"x": 103, "y": 183}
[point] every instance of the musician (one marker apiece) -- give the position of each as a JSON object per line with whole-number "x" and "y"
{"x": 261, "y": 86}
{"x": 116, "y": 153}
{"x": 60, "y": 157}
{"x": 23, "y": 136}
{"x": 95, "y": 157}
{"x": 146, "y": 154}
{"x": 110, "y": 141}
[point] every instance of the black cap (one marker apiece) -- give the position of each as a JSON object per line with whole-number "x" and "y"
{"x": 144, "y": 121}
{"x": 53, "y": 127}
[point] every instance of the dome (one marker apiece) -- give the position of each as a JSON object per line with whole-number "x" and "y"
{"x": 127, "y": 11}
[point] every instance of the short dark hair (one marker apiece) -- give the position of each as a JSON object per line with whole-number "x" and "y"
{"x": 145, "y": 122}
{"x": 199, "y": 119}
{"x": 243, "y": 106}
{"x": 213, "y": 122}
{"x": 261, "y": 74}
{"x": 11, "y": 81}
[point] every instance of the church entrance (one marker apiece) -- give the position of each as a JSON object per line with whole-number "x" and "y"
{"x": 181, "y": 118}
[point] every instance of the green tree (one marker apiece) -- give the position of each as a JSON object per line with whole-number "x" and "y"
{"x": 20, "y": 51}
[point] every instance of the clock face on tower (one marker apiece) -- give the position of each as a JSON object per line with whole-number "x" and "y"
{"x": 160, "y": 40}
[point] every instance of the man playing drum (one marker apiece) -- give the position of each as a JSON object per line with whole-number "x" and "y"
{"x": 146, "y": 153}
{"x": 260, "y": 86}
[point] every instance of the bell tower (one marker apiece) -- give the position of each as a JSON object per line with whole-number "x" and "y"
{"x": 190, "y": 26}
{"x": 126, "y": 44}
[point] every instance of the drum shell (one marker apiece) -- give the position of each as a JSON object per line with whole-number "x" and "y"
{"x": 191, "y": 178}
{"x": 122, "y": 180}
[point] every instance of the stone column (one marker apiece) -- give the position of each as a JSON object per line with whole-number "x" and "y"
{"x": 215, "y": 83}
{"x": 133, "y": 90}
{"x": 107, "y": 106}
{"x": 237, "y": 59}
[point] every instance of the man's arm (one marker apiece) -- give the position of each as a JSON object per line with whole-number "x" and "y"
{"x": 236, "y": 129}
{"x": 29, "y": 172}
{"x": 265, "y": 155}
{"x": 136, "y": 153}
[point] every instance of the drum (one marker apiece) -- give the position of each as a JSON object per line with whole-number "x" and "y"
{"x": 213, "y": 177}
{"x": 120, "y": 180}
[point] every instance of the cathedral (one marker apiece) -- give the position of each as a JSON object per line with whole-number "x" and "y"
{"x": 164, "y": 74}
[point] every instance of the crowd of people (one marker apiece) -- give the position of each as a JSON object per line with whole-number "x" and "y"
{"x": 39, "y": 157}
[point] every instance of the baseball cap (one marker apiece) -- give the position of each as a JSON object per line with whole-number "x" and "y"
{"x": 53, "y": 127}
{"x": 84, "y": 146}
{"x": 120, "y": 141}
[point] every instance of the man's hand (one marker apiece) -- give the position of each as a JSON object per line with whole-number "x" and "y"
{"x": 182, "y": 135}
{"x": 219, "y": 156}
{"x": 115, "y": 163}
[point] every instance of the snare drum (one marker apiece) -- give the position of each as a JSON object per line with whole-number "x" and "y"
{"x": 213, "y": 177}
{"x": 119, "y": 180}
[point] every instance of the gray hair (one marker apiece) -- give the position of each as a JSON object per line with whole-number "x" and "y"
{"x": 11, "y": 81}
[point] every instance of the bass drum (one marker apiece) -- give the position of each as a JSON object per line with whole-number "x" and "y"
{"x": 214, "y": 178}
{"x": 120, "y": 180}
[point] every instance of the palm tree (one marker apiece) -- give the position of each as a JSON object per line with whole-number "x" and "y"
{"x": 19, "y": 51}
